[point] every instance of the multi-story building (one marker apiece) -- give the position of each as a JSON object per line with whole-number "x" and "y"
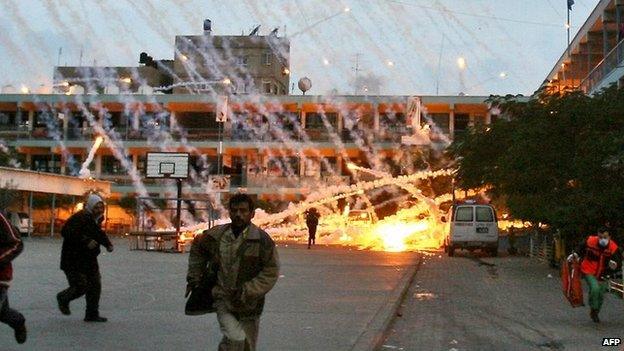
{"x": 594, "y": 59}
{"x": 276, "y": 147}
{"x": 279, "y": 147}
{"x": 204, "y": 64}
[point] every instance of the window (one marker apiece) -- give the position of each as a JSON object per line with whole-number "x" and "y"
{"x": 392, "y": 119}
{"x": 329, "y": 166}
{"x": 266, "y": 58}
{"x": 111, "y": 165}
{"x": 242, "y": 60}
{"x": 46, "y": 163}
{"x": 195, "y": 120}
{"x": 141, "y": 164}
{"x": 42, "y": 118}
{"x": 461, "y": 123}
{"x": 203, "y": 165}
{"x": 266, "y": 87}
{"x": 283, "y": 166}
{"x": 7, "y": 119}
{"x": 463, "y": 214}
{"x": 484, "y": 214}
{"x": 441, "y": 120}
{"x": 314, "y": 120}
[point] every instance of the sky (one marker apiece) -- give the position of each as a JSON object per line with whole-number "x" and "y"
{"x": 403, "y": 47}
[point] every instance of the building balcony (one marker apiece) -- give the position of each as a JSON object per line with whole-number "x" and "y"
{"x": 41, "y": 135}
{"x": 599, "y": 76}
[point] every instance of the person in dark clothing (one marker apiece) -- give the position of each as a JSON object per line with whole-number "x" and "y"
{"x": 312, "y": 219}
{"x": 82, "y": 237}
{"x": 10, "y": 247}
{"x": 599, "y": 255}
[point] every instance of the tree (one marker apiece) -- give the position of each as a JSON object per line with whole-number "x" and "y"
{"x": 556, "y": 159}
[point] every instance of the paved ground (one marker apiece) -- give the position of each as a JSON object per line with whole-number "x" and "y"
{"x": 505, "y": 303}
{"x": 325, "y": 300}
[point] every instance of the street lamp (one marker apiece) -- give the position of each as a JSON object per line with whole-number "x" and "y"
{"x": 461, "y": 63}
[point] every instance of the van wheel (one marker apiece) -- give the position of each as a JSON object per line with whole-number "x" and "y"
{"x": 451, "y": 251}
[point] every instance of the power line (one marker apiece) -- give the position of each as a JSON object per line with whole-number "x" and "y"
{"x": 476, "y": 15}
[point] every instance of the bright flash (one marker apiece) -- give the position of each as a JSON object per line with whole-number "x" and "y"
{"x": 126, "y": 80}
{"x": 461, "y": 63}
{"x": 98, "y": 142}
{"x": 503, "y": 75}
{"x": 325, "y": 61}
{"x": 24, "y": 89}
{"x": 347, "y": 9}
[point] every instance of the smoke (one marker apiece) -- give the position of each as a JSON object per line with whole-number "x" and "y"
{"x": 368, "y": 84}
{"x": 84, "y": 170}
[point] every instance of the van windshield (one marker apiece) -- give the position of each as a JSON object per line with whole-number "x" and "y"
{"x": 484, "y": 214}
{"x": 464, "y": 214}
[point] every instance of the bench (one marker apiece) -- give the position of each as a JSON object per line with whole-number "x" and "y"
{"x": 152, "y": 240}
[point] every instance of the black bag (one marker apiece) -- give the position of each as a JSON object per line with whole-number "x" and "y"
{"x": 201, "y": 301}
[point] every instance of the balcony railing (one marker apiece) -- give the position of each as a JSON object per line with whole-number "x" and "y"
{"x": 389, "y": 134}
{"x": 613, "y": 59}
{"x": 251, "y": 181}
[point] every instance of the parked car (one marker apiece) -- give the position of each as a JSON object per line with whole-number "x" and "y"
{"x": 22, "y": 222}
{"x": 472, "y": 226}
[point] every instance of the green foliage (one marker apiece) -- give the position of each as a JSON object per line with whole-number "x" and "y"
{"x": 555, "y": 159}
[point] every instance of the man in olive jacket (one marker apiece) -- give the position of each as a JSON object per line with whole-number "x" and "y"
{"x": 245, "y": 261}
{"x": 82, "y": 237}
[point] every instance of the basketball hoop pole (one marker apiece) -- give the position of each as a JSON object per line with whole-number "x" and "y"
{"x": 179, "y": 207}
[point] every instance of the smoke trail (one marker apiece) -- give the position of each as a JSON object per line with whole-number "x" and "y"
{"x": 84, "y": 170}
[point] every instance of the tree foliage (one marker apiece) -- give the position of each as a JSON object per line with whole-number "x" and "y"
{"x": 555, "y": 159}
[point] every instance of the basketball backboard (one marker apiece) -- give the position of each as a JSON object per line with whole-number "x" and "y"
{"x": 167, "y": 165}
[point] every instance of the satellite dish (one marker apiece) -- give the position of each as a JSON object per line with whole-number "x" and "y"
{"x": 254, "y": 31}
{"x": 304, "y": 84}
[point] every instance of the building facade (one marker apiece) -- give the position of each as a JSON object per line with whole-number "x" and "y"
{"x": 595, "y": 57}
{"x": 202, "y": 64}
{"x": 276, "y": 147}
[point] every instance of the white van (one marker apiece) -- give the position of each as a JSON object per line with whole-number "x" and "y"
{"x": 472, "y": 226}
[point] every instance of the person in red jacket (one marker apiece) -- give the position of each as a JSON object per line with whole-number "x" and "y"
{"x": 10, "y": 247}
{"x": 599, "y": 256}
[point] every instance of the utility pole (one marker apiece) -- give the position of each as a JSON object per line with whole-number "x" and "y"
{"x": 357, "y": 70}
